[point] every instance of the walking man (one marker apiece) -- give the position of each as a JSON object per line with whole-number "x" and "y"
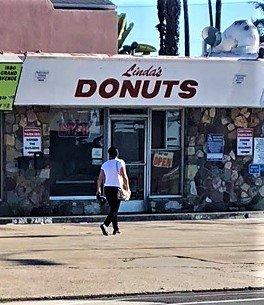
{"x": 113, "y": 175}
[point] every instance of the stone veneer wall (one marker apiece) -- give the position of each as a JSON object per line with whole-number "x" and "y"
{"x": 209, "y": 186}
{"x": 27, "y": 191}
{"x": 226, "y": 185}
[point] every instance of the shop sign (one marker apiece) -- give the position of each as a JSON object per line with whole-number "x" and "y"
{"x": 31, "y": 141}
{"x": 9, "y": 78}
{"x": 258, "y": 151}
{"x": 73, "y": 128}
{"x": 215, "y": 147}
{"x": 254, "y": 169}
{"x": 239, "y": 79}
{"x": 102, "y": 80}
{"x": 41, "y": 76}
{"x": 244, "y": 142}
{"x": 164, "y": 159}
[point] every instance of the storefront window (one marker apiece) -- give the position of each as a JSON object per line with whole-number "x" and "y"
{"x": 166, "y": 153}
{"x": 76, "y": 151}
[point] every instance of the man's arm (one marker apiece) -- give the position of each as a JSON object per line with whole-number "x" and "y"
{"x": 125, "y": 178}
{"x": 100, "y": 181}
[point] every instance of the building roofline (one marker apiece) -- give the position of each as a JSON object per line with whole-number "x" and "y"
{"x": 91, "y": 6}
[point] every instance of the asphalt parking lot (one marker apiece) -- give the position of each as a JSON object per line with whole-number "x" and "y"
{"x": 47, "y": 261}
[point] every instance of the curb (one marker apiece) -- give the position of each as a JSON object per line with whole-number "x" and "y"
{"x": 131, "y": 217}
{"x": 117, "y": 296}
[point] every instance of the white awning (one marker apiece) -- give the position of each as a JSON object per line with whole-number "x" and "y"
{"x": 101, "y": 80}
{"x": 11, "y": 57}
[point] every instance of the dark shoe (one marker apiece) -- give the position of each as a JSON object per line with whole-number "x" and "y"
{"x": 104, "y": 229}
{"x": 116, "y": 231}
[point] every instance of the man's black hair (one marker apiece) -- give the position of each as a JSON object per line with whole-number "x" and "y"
{"x": 113, "y": 152}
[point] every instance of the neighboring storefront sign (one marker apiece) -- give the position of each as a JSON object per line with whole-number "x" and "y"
{"x": 102, "y": 80}
{"x": 244, "y": 142}
{"x": 215, "y": 147}
{"x": 9, "y": 78}
{"x": 258, "y": 151}
{"x": 164, "y": 159}
{"x": 31, "y": 141}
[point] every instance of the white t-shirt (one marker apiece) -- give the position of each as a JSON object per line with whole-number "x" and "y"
{"x": 111, "y": 170}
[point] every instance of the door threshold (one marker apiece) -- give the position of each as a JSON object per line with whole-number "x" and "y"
{"x": 61, "y": 198}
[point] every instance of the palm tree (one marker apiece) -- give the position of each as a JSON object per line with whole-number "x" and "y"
{"x": 169, "y": 15}
{"x": 218, "y": 10}
{"x": 259, "y": 23}
{"x": 260, "y": 5}
{"x": 161, "y": 26}
{"x": 172, "y": 16}
{"x": 123, "y": 32}
{"x": 186, "y": 28}
{"x": 210, "y": 8}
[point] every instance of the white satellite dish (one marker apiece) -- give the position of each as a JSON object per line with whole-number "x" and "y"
{"x": 211, "y": 36}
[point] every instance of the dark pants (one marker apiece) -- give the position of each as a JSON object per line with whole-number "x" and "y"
{"x": 114, "y": 203}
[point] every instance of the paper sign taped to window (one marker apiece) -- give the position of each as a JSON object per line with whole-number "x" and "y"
{"x": 163, "y": 159}
{"x": 32, "y": 139}
{"x": 258, "y": 151}
{"x": 97, "y": 153}
{"x": 244, "y": 141}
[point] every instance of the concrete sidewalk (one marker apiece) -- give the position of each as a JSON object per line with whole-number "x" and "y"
{"x": 132, "y": 217}
{"x": 75, "y": 260}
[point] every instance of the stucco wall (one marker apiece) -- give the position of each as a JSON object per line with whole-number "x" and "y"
{"x": 32, "y": 25}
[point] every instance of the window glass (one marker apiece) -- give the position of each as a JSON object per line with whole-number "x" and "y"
{"x": 129, "y": 137}
{"x": 136, "y": 181}
{"x": 173, "y": 130}
{"x": 166, "y": 153}
{"x": 158, "y": 129}
{"x": 76, "y": 151}
{"x": 124, "y": 111}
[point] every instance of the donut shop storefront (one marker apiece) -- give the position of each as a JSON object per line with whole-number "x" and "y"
{"x": 75, "y": 107}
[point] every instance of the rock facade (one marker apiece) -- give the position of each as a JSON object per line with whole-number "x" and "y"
{"x": 26, "y": 191}
{"x": 209, "y": 186}
{"x": 226, "y": 185}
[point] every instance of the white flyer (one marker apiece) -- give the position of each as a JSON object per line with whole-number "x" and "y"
{"x": 244, "y": 142}
{"x": 258, "y": 151}
{"x": 31, "y": 141}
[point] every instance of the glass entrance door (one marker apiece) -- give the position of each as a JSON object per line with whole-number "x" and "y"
{"x": 129, "y": 136}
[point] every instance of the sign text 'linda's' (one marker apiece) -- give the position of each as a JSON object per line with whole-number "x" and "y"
{"x": 112, "y": 87}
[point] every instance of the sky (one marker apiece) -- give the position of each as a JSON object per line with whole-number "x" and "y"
{"x": 143, "y": 13}
{"x": 153, "y": 2}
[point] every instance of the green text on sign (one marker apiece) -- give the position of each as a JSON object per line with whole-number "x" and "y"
{"x": 9, "y": 78}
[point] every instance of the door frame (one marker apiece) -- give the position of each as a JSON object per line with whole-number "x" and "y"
{"x": 182, "y": 142}
{"x": 145, "y": 118}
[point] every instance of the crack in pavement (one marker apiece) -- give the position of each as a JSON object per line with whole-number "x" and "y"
{"x": 187, "y": 257}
